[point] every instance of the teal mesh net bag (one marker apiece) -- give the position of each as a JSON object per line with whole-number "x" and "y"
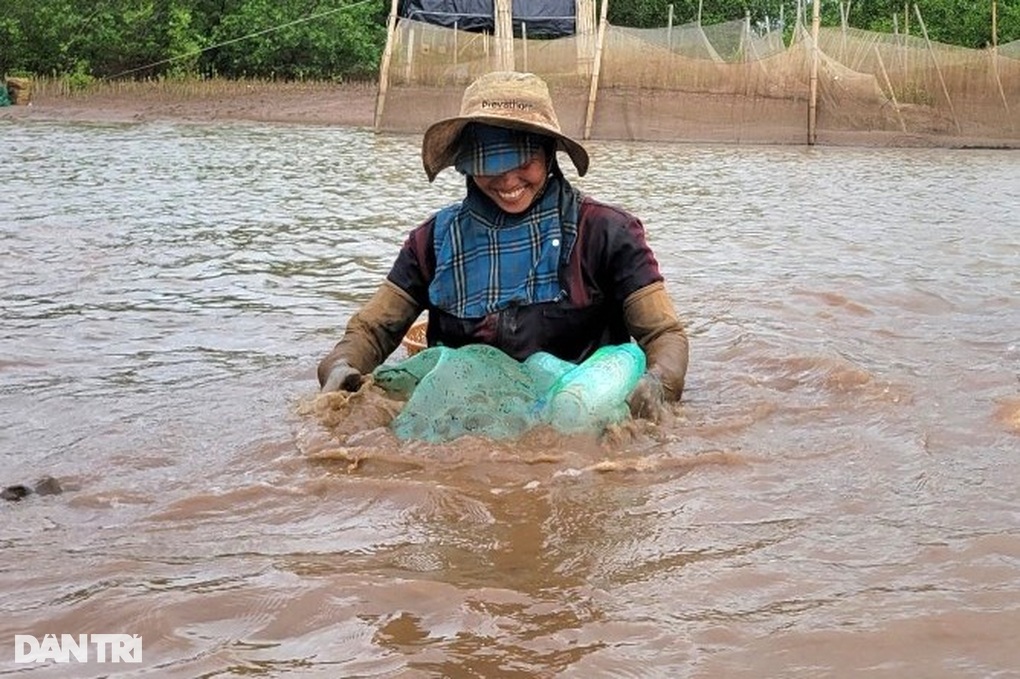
{"x": 480, "y": 391}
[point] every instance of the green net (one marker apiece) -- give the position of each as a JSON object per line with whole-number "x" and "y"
{"x": 480, "y": 391}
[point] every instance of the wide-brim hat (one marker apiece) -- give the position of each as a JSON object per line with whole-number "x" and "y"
{"x": 517, "y": 101}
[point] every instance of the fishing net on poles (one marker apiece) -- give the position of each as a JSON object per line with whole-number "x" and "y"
{"x": 724, "y": 82}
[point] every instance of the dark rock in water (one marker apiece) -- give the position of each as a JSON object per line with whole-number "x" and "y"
{"x": 15, "y": 493}
{"x": 48, "y": 485}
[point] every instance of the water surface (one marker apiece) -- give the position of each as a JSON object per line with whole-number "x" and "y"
{"x": 836, "y": 495}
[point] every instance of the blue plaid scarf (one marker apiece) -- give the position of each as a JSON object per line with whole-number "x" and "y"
{"x": 488, "y": 150}
{"x": 488, "y": 260}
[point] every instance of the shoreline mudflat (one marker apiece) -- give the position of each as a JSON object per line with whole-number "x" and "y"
{"x": 345, "y": 104}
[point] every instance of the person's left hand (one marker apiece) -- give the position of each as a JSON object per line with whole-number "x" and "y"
{"x": 647, "y": 400}
{"x": 343, "y": 376}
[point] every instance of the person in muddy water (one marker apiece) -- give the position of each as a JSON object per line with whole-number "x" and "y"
{"x": 525, "y": 262}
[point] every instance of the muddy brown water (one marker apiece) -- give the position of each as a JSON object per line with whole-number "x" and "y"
{"x": 836, "y": 496}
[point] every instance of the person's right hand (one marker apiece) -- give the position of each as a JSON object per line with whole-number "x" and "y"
{"x": 343, "y": 376}
{"x": 647, "y": 400}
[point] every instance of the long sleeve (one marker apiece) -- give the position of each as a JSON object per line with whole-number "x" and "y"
{"x": 374, "y": 332}
{"x": 652, "y": 320}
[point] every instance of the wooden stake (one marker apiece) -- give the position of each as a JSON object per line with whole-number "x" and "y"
{"x": 585, "y": 36}
{"x": 745, "y": 39}
{"x": 750, "y": 45}
{"x": 892, "y": 93}
{"x": 901, "y": 39}
{"x": 384, "y": 65}
{"x": 995, "y": 26}
{"x": 995, "y": 62}
{"x": 596, "y": 68}
{"x": 669, "y": 28}
{"x": 938, "y": 69}
{"x": 504, "y": 36}
{"x": 816, "y": 20}
{"x": 751, "y": 54}
{"x": 410, "y": 55}
{"x": 843, "y": 12}
{"x": 993, "y": 54}
{"x": 524, "y": 40}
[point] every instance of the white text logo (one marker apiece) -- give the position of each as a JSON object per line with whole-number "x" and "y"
{"x": 105, "y": 647}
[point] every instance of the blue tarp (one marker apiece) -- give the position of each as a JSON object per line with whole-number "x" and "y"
{"x": 544, "y": 18}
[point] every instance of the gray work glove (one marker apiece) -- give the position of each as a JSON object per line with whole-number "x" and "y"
{"x": 647, "y": 400}
{"x": 342, "y": 376}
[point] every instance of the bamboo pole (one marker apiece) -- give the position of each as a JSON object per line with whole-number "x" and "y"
{"x": 892, "y": 92}
{"x": 745, "y": 39}
{"x": 995, "y": 61}
{"x": 901, "y": 40}
{"x": 669, "y": 28}
{"x": 585, "y": 36}
{"x": 410, "y": 55}
{"x": 504, "y": 36}
{"x": 816, "y": 20}
{"x": 524, "y": 40}
{"x": 700, "y": 5}
{"x": 938, "y": 68}
{"x": 384, "y": 66}
{"x": 755, "y": 56}
{"x": 994, "y": 55}
{"x": 995, "y": 26}
{"x": 844, "y": 10}
{"x": 846, "y": 27}
{"x": 752, "y": 55}
{"x": 456, "y": 47}
{"x": 589, "y": 117}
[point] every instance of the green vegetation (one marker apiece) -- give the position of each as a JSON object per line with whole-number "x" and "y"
{"x": 286, "y": 39}
{"x": 967, "y": 23}
{"x": 343, "y": 39}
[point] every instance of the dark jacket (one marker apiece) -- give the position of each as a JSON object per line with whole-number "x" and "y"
{"x": 610, "y": 260}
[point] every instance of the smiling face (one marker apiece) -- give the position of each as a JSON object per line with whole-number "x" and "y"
{"x": 515, "y": 190}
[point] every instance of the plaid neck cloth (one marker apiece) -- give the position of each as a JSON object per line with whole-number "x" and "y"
{"x": 488, "y": 260}
{"x": 488, "y": 151}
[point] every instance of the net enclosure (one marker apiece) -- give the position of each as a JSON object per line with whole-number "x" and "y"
{"x": 727, "y": 82}
{"x": 477, "y": 390}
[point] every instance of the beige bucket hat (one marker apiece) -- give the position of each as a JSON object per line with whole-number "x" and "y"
{"x": 518, "y": 101}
